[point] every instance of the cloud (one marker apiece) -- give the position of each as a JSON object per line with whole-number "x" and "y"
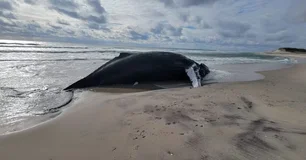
{"x": 6, "y": 28}
{"x": 97, "y": 6}
{"x": 71, "y": 14}
{"x": 272, "y": 25}
{"x": 32, "y": 2}
{"x": 6, "y": 24}
{"x": 96, "y": 19}
{"x": 137, "y": 36}
{"x": 186, "y": 3}
{"x": 66, "y": 7}
{"x": 8, "y": 15}
{"x": 167, "y": 29}
{"x": 280, "y": 37}
{"x": 64, "y": 4}
{"x": 97, "y": 26}
{"x": 202, "y": 23}
{"x": 176, "y": 23}
{"x": 195, "y": 21}
{"x": 30, "y": 29}
{"x": 6, "y": 5}
{"x": 33, "y": 26}
{"x": 62, "y": 22}
{"x": 232, "y": 29}
{"x": 297, "y": 12}
{"x": 70, "y": 8}
{"x": 168, "y": 3}
{"x": 54, "y": 26}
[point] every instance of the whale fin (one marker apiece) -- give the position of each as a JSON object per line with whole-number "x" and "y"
{"x": 124, "y": 54}
{"x": 193, "y": 76}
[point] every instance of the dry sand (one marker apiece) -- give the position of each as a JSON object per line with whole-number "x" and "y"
{"x": 264, "y": 119}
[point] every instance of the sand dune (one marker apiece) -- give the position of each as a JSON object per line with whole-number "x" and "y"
{"x": 263, "y": 119}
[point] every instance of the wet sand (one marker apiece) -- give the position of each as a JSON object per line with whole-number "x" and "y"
{"x": 263, "y": 119}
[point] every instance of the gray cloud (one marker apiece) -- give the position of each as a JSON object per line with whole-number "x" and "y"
{"x": 271, "y": 25}
{"x": 281, "y": 37}
{"x": 69, "y": 32}
{"x": 168, "y": 3}
{"x": 137, "y": 36}
{"x": 96, "y": 5}
{"x": 6, "y": 28}
{"x": 64, "y": 3}
{"x": 167, "y": 29}
{"x": 34, "y": 26}
{"x": 202, "y": 23}
{"x": 230, "y": 34}
{"x": 96, "y": 26}
{"x": 96, "y": 19}
{"x": 70, "y": 8}
{"x": 5, "y": 24}
{"x": 302, "y": 17}
{"x": 32, "y": 2}
{"x": 186, "y": 3}
{"x": 184, "y": 17}
{"x": 62, "y": 22}
{"x": 173, "y": 21}
{"x": 251, "y": 35}
{"x": 71, "y": 14}
{"x": 231, "y": 29}
{"x": 19, "y": 29}
{"x": 35, "y": 30}
{"x": 8, "y": 15}
{"x": 5, "y": 5}
{"x": 296, "y": 12}
{"x": 194, "y": 21}
{"x": 66, "y": 7}
{"x": 54, "y": 26}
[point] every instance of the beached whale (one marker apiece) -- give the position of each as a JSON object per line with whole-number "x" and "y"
{"x": 145, "y": 68}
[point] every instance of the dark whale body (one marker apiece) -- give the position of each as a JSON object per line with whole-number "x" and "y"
{"x": 143, "y": 68}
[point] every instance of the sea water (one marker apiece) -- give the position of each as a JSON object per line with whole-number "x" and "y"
{"x": 33, "y": 74}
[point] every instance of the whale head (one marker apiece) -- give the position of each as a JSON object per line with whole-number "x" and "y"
{"x": 197, "y": 73}
{"x": 203, "y": 71}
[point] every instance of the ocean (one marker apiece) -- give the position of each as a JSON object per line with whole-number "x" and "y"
{"x": 33, "y": 74}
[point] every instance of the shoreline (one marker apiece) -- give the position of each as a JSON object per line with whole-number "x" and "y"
{"x": 255, "y": 74}
{"x": 299, "y": 56}
{"x": 226, "y": 73}
{"x": 24, "y": 101}
{"x": 261, "y": 119}
{"x": 250, "y": 75}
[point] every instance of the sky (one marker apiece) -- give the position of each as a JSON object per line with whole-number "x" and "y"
{"x": 200, "y": 24}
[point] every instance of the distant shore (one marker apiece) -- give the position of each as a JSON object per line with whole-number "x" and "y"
{"x": 262, "y": 119}
{"x": 288, "y": 53}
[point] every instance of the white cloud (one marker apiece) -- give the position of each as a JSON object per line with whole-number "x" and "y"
{"x": 206, "y": 23}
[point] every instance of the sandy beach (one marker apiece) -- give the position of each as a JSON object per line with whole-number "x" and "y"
{"x": 287, "y": 54}
{"x": 263, "y": 119}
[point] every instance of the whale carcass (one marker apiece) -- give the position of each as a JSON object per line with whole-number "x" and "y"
{"x": 145, "y": 68}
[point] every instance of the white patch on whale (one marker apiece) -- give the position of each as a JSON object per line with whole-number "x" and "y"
{"x": 194, "y": 76}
